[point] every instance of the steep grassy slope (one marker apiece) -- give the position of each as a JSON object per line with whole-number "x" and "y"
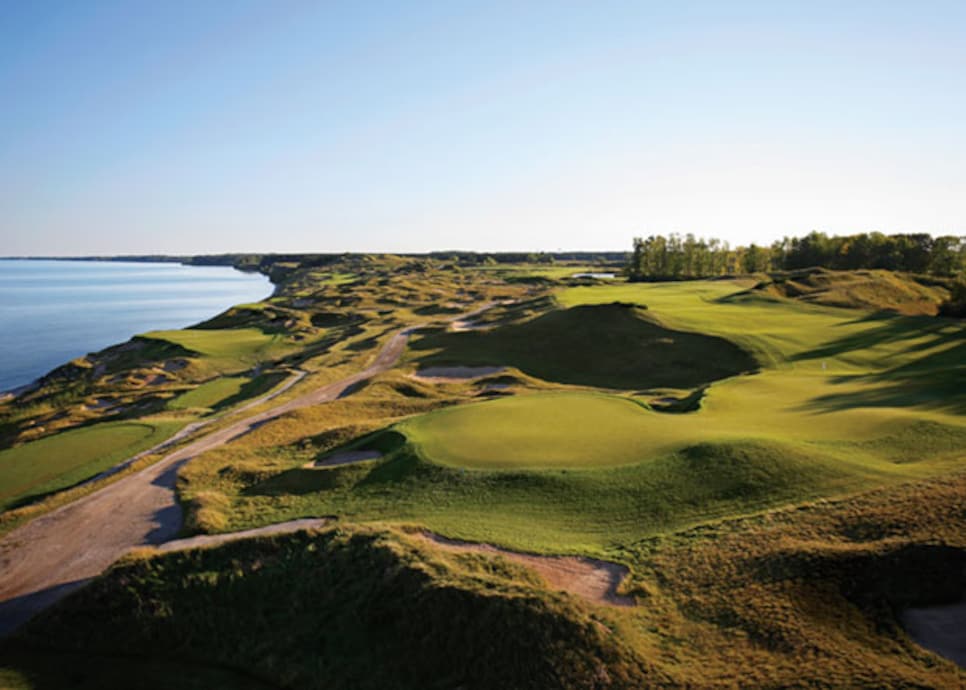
{"x": 610, "y": 345}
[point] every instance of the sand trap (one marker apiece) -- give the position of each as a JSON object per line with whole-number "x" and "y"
{"x": 346, "y": 457}
{"x": 590, "y": 579}
{"x": 467, "y": 321}
{"x": 466, "y": 325}
{"x": 455, "y": 373}
{"x": 940, "y": 629}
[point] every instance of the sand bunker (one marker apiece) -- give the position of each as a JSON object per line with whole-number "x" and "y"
{"x": 467, "y": 322}
{"x": 457, "y": 373}
{"x": 590, "y": 579}
{"x": 346, "y": 457}
{"x": 939, "y": 629}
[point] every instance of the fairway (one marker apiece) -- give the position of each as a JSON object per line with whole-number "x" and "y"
{"x": 225, "y": 391}
{"x": 249, "y": 344}
{"x": 209, "y": 394}
{"x": 59, "y": 461}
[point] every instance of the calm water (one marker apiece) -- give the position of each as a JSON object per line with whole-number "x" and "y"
{"x": 54, "y": 311}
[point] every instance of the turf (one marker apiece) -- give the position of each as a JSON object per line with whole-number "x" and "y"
{"x": 225, "y": 391}
{"x": 210, "y": 394}
{"x": 56, "y": 462}
{"x": 609, "y": 345}
{"x": 245, "y": 346}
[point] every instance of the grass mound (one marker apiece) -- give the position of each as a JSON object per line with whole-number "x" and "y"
{"x": 872, "y": 290}
{"x": 608, "y": 345}
{"x": 344, "y": 608}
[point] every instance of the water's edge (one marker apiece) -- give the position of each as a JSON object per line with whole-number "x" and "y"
{"x": 22, "y": 278}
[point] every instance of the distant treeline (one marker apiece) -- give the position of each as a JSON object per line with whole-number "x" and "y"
{"x": 675, "y": 257}
{"x": 264, "y": 262}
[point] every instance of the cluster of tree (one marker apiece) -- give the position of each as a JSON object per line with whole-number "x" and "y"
{"x": 676, "y": 257}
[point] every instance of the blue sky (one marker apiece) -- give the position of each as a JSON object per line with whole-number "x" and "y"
{"x": 192, "y": 127}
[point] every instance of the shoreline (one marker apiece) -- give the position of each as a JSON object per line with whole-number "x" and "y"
{"x": 11, "y": 394}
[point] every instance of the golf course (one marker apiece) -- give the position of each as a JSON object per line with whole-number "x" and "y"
{"x": 514, "y": 477}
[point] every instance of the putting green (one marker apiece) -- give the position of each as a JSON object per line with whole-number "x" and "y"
{"x": 547, "y": 430}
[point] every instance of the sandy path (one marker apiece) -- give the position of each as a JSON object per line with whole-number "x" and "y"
{"x": 454, "y": 373}
{"x": 466, "y": 321}
{"x": 48, "y": 557}
{"x": 206, "y": 540}
{"x": 590, "y": 579}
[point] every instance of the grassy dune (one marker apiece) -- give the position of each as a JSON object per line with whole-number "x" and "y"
{"x": 347, "y": 608}
{"x": 609, "y": 345}
{"x": 869, "y": 290}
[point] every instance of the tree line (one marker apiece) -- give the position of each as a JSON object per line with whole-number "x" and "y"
{"x": 677, "y": 257}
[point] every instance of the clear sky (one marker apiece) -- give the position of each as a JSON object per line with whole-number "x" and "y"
{"x": 205, "y": 126}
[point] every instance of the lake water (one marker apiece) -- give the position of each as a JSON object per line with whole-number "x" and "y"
{"x": 54, "y": 311}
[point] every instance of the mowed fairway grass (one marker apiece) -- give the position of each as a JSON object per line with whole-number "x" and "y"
{"x": 56, "y": 462}
{"x": 225, "y": 391}
{"x": 226, "y": 349}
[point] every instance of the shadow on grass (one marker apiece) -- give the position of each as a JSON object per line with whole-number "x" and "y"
{"x": 396, "y": 466}
{"x": 936, "y": 380}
